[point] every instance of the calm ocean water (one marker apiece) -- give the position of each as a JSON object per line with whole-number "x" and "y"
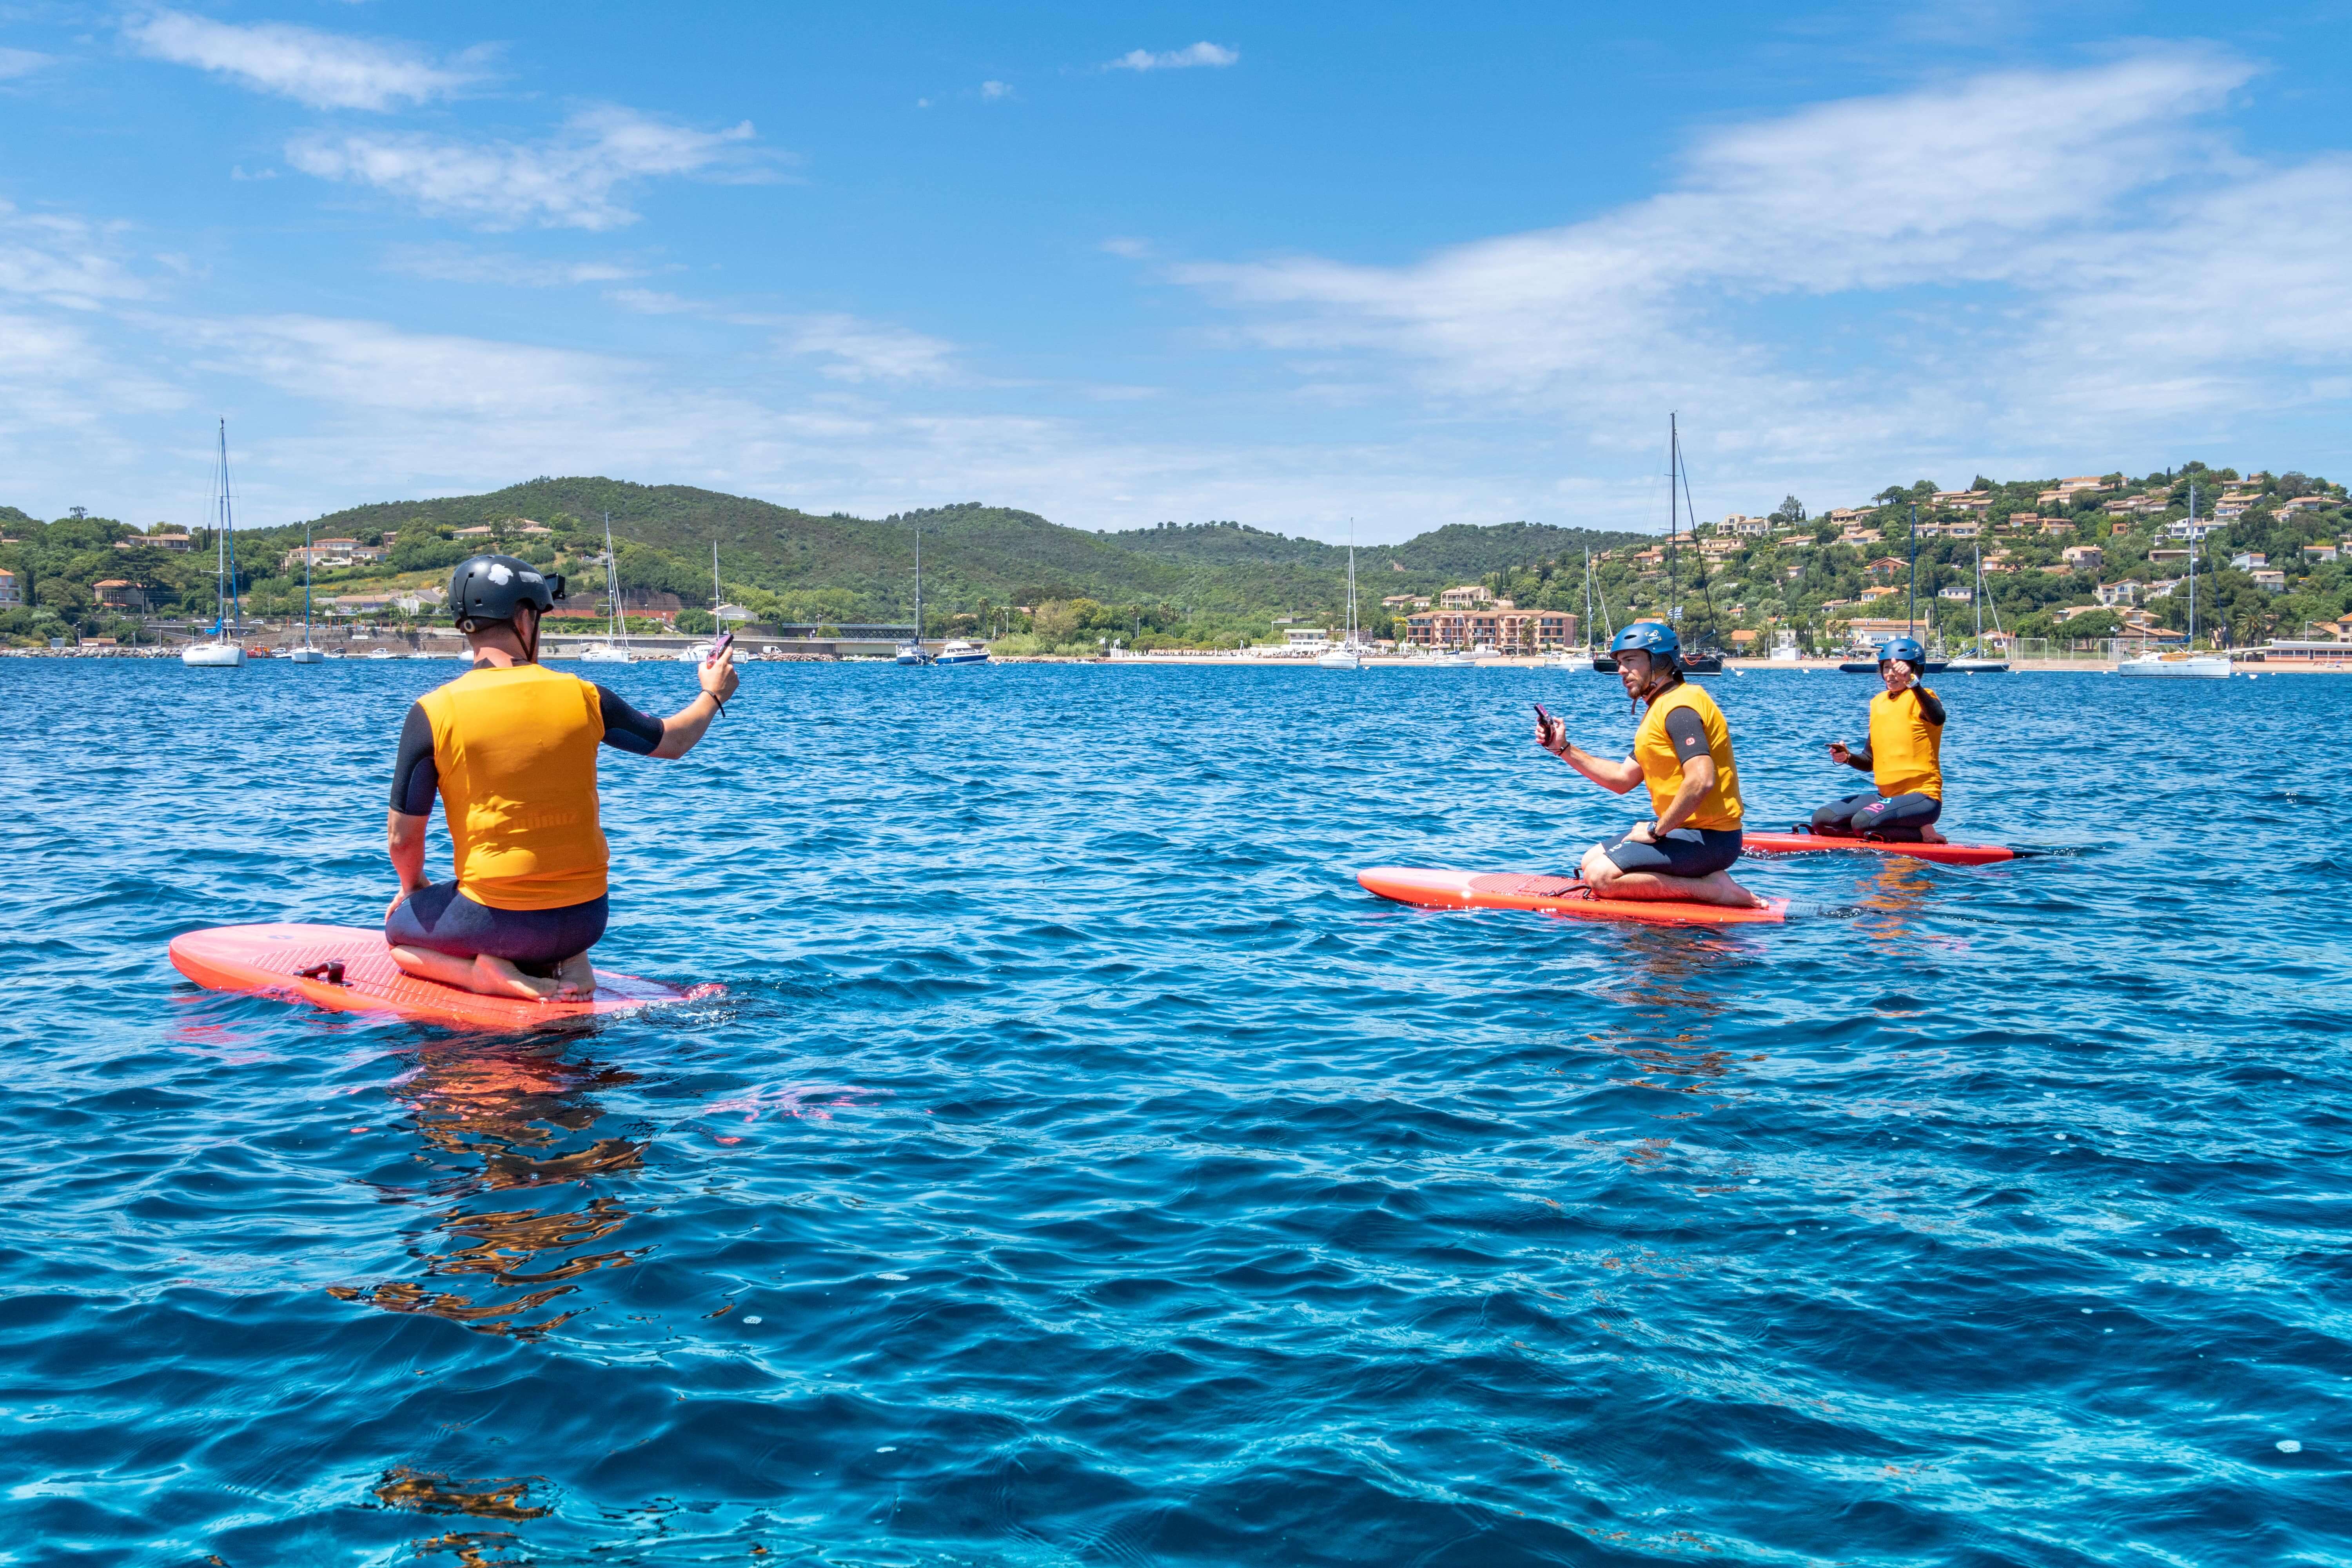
{"x": 1080, "y": 1169}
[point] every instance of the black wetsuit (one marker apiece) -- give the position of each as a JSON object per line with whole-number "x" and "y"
{"x": 443, "y": 919}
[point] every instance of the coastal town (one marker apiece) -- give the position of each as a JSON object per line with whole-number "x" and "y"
{"x": 2086, "y": 567}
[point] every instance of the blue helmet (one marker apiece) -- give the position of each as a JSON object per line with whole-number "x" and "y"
{"x": 1905, "y": 648}
{"x": 1654, "y": 638}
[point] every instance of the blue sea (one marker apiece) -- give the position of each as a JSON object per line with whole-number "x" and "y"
{"x": 1080, "y": 1169}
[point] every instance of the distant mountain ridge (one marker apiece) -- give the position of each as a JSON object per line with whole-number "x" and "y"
{"x": 975, "y": 554}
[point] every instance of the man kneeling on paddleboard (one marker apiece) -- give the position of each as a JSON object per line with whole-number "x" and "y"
{"x": 1904, "y": 756}
{"x": 511, "y": 747}
{"x": 1683, "y": 753}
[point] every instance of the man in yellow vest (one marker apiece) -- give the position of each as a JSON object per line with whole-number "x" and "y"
{"x": 1682, "y": 752}
{"x": 1904, "y": 756}
{"x": 510, "y": 748}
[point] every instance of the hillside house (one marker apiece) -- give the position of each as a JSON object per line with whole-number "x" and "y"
{"x": 2083, "y": 557}
{"x": 9, "y": 593}
{"x": 2301, "y": 503}
{"x": 2248, "y": 560}
{"x": 119, "y": 593}
{"x": 176, "y": 542}
{"x": 2321, "y": 552}
{"x": 1468, "y": 596}
{"x": 332, "y": 554}
{"x": 2114, "y": 595}
{"x": 2269, "y": 580}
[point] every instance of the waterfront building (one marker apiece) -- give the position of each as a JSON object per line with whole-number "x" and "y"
{"x": 1505, "y": 628}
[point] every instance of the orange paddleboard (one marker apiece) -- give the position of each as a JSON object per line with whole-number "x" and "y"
{"x": 1440, "y": 890}
{"x": 271, "y": 958}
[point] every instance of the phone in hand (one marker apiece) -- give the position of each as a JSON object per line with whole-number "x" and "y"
{"x": 725, "y": 640}
{"x": 1544, "y": 722}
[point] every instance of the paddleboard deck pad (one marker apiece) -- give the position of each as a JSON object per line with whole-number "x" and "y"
{"x": 1436, "y": 888}
{"x": 351, "y": 970}
{"x": 1942, "y": 854}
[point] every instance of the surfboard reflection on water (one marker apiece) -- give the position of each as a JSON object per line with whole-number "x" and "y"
{"x": 501, "y": 1123}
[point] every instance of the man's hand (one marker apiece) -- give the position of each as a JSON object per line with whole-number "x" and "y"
{"x": 398, "y": 899}
{"x": 718, "y": 676}
{"x": 1641, "y": 833}
{"x": 1839, "y": 755}
{"x": 1552, "y": 734}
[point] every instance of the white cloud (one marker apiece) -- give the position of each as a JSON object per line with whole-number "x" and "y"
{"x": 63, "y": 260}
{"x": 571, "y": 181}
{"x": 993, "y": 90}
{"x": 22, "y": 62}
{"x": 1200, "y": 54}
{"x": 869, "y": 351}
{"x": 651, "y": 302}
{"x": 1130, "y": 248}
{"x": 455, "y": 264}
{"x": 324, "y": 70}
{"x": 2089, "y": 223}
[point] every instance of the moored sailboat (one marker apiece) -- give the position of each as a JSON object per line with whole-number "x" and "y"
{"x": 224, "y": 651}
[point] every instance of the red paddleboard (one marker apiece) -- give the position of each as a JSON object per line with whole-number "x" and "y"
{"x": 1442, "y": 890}
{"x": 1942, "y": 854}
{"x": 270, "y": 959}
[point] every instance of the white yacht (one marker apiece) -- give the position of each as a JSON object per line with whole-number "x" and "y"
{"x": 912, "y": 650}
{"x": 614, "y": 648}
{"x": 224, "y": 651}
{"x": 1350, "y": 654}
{"x": 960, "y": 650}
{"x": 700, "y": 651}
{"x": 2187, "y": 663}
{"x": 306, "y": 654}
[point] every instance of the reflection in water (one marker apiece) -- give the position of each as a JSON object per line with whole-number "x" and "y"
{"x": 506, "y": 1119}
{"x": 499, "y": 1498}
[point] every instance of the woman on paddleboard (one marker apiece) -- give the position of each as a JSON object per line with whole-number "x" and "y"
{"x": 1904, "y": 756}
{"x": 1682, "y": 752}
{"x": 511, "y": 749}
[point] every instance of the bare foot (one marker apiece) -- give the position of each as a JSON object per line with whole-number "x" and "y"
{"x": 1929, "y": 835}
{"x": 575, "y": 979}
{"x": 484, "y": 975}
{"x": 500, "y": 977}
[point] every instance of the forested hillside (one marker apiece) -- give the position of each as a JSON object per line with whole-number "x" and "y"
{"x": 984, "y": 567}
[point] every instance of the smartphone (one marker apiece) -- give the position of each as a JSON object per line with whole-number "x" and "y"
{"x": 725, "y": 640}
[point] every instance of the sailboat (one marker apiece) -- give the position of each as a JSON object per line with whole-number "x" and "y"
{"x": 1910, "y": 616}
{"x": 1694, "y": 661}
{"x": 2189, "y": 664}
{"x": 702, "y": 651}
{"x": 1350, "y": 654}
{"x": 614, "y": 648}
{"x": 306, "y": 654}
{"x": 224, "y": 651}
{"x": 912, "y": 650}
{"x": 1975, "y": 663}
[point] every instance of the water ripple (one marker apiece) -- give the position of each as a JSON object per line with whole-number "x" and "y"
{"x": 1079, "y": 1169}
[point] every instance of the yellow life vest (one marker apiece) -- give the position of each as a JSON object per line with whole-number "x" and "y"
{"x": 1905, "y": 751}
{"x": 1662, "y": 770}
{"x": 516, "y": 749}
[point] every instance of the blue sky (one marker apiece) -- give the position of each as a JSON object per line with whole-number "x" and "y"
{"x": 1292, "y": 266}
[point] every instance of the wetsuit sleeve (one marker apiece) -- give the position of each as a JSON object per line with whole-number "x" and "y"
{"x": 1931, "y": 707}
{"x": 626, "y": 729}
{"x": 1688, "y": 734}
{"x": 414, "y": 779}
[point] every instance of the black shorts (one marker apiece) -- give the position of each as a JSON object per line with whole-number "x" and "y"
{"x": 443, "y": 919}
{"x": 1685, "y": 852}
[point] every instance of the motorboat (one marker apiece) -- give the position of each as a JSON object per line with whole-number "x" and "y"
{"x": 960, "y": 650}
{"x": 1977, "y": 665}
{"x": 224, "y": 651}
{"x": 376, "y": 653}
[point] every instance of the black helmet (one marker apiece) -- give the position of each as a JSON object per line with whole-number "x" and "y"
{"x": 487, "y": 588}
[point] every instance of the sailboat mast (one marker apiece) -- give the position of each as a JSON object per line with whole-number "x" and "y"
{"x": 1911, "y": 616}
{"x": 1976, "y": 598}
{"x": 306, "y": 585}
{"x": 2192, "y": 566}
{"x": 918, "y": 587}
{"x": 1674, "y": 464}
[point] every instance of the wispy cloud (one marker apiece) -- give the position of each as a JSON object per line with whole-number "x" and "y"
{"x": 2035, "y": 194}
{"x": 1200, "y": 54}
{"x": 22, "y": 62}
{"x": 571, "y": 181}
{"x": 456, "y": 263}
{"x": 66, "y": 261}
{"x": 652, "y": 302}
{"x": 324, "y": 70}
{"x": 869, "y": 351}
{"x": 991, "y": 91}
